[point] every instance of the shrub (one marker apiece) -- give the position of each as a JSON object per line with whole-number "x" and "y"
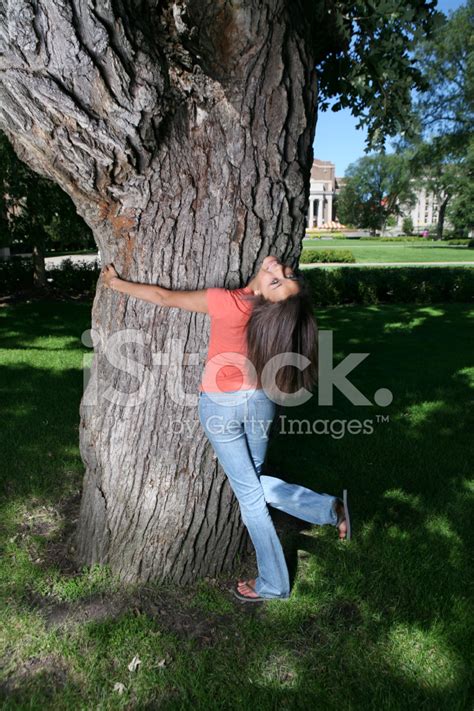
{"x": 74, "y": 277}
{"x": 311, "y": 256}
{"x": 16, "y": 274}
{"x": 407, "y": 225}
{"x": 460, "y": 241}
{"x": 411, "y": 238}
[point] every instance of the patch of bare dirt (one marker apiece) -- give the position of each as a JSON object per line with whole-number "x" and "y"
{"x": 68, "y": 614}
{"x": 35, "y": 670}
{"x": 171, "y": 609}
{"x": 59, "y": 549}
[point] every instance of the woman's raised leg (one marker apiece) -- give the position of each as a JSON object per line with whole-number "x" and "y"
{"x": 294, "y": 499}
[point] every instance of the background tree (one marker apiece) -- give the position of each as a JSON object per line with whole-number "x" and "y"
{"x": 461, "y": 210}
{"x": 35, "y": 212}
{"x": 443, "y": 115}
{"x": 5, "y": 232}
{"x": 445, "y": 109}
{"x": 376, "y": 187}
{"x": 438, "y": 170}
{"x": 183, "y": 132}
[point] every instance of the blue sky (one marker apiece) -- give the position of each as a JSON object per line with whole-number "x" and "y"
{"x": 337, "y": 138}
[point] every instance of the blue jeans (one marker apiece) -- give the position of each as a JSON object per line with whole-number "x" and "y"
{"x": 237, "y": 424}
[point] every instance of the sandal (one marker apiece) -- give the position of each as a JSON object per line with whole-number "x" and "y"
{"x": 342, "y": 510}
{"x": 245, "y": 598}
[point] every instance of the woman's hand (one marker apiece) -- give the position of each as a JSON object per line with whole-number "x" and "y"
{"x": 108, "y": 272}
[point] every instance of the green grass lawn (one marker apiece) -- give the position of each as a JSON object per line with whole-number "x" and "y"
{"x": 381, "y": 622}
{"x": 376, "y": 251}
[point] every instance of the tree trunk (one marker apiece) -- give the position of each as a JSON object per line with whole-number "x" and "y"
{"x": 38, "y": 237}
{"x": 441, "y": 217}
{"x": 183, "y": 132}
{"x": 39, "y": 267}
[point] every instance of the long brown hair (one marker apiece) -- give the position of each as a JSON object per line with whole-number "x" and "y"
{"x": 288, "y": 325}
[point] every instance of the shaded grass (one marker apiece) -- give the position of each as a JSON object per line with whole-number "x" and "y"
{"x": 382, "y": 622}
{"x": 374, "y": 251}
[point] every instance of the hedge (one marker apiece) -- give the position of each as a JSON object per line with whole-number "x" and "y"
{"x": 74, "y": 277}
{"x": 461, "y": 240}
{"x": 311, "y": 256}
{"x": 329, "y": 286}
{"x": 374, "y": 285}
{"x": 16, "y": 274}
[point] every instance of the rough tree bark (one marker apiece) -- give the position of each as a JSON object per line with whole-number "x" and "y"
{"x": 183, "y": 133}
{"x": 38, "y": 236}
{"x": 39, "y": 268}
{"x": 443, "y": 205}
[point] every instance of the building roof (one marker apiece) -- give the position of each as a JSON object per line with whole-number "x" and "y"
{"x": 322, "y": 170}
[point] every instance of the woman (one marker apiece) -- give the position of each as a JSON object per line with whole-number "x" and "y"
{"x": 249, "y": 326}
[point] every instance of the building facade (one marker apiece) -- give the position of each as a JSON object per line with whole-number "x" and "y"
{"x": 324, "y": 187}
{"x": 424, "y": 212}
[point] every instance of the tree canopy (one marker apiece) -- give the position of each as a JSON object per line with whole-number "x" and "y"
{"x": 444, "y": 115}
{"x": 35, "y": 213}
{"x": 445, "y": 110}
{"x": 365, "y": 56}
{"x": 376, "y": 187}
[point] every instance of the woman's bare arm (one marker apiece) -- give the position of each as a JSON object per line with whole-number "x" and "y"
{"x": 187, "y": 300}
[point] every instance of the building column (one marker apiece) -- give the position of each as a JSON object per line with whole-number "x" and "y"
{"x": 311, "y": 212}
{"x": 329, "y": 215}
{"x": 318, "y": 213}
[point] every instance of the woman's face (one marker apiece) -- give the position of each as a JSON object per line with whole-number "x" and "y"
{"x": 277, "y": 281}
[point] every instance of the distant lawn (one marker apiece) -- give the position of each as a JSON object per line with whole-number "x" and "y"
{"x": 374, "y": 251}
{"x": 384, "y": 621}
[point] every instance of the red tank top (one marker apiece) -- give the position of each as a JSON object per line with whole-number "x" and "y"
{"x": 226, "y": 366}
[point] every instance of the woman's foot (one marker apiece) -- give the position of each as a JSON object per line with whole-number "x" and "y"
{"x": 245, "y": 590}
{"x": 341, "y": 517}
{"x": 342, "y": 528}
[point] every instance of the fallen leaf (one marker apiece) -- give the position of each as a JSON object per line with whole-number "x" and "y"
{"x": 134, "y": 664}
{"x": 119, "y": 687}
{"x": 162, "y": 663}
